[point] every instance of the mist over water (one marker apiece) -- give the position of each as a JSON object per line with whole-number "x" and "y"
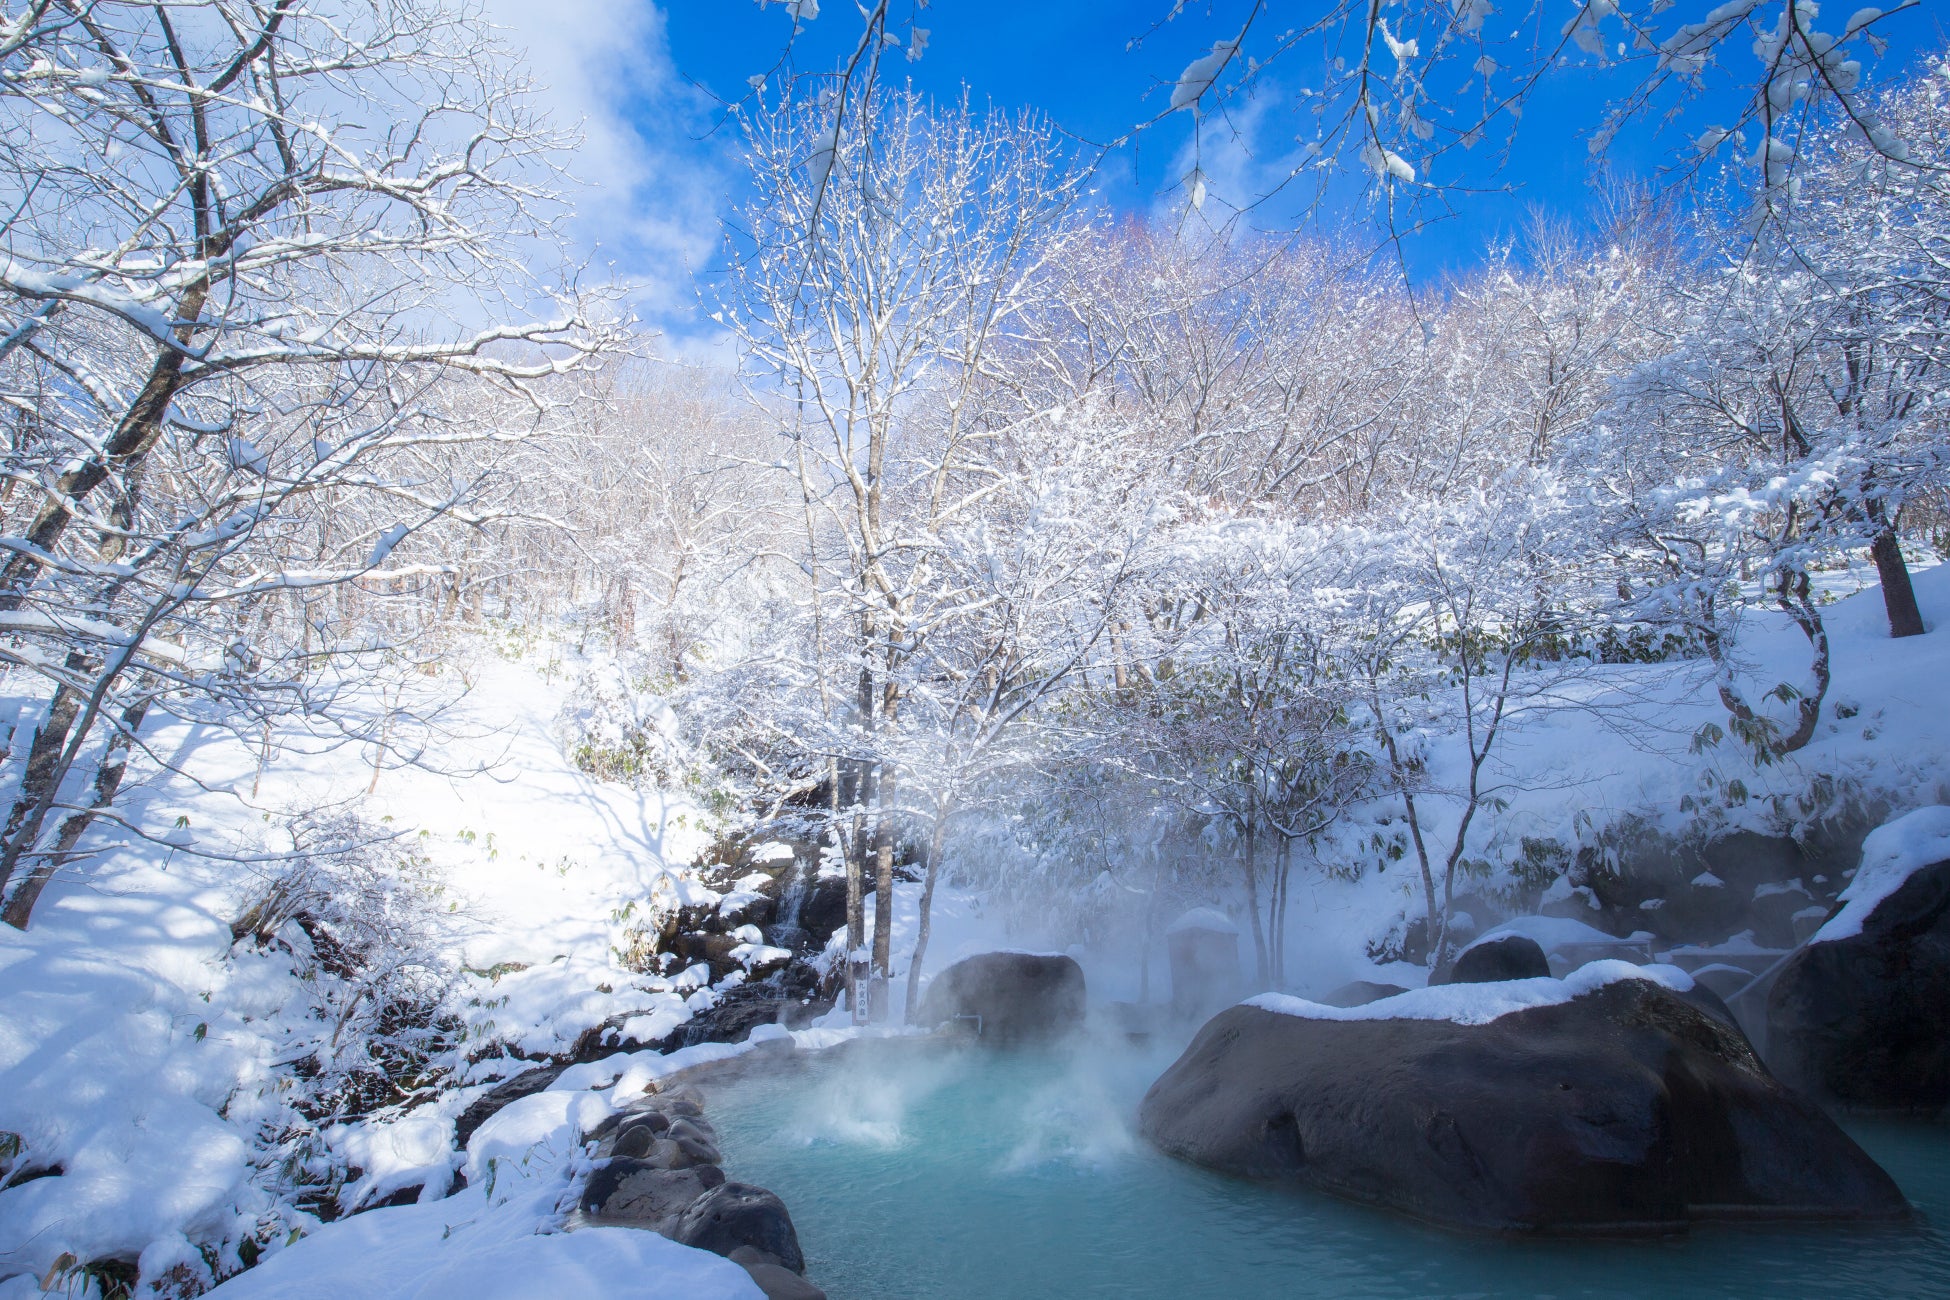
{"x": 919, "y": 1171}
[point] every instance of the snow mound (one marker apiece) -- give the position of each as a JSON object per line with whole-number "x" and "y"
{"x": 1556, "y": 933}
{"x": 1891, "y": 855}
{"x": 1203, "y": 918}
{"x": 1479, "y": 1004}
{"x": 459, "y": 1249}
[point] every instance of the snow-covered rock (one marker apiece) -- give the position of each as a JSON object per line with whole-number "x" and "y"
{"x": 1527, "y": 1106}
{"x": 1479, "y": 1004}
{"x": 1890, "y": 856}
{"x": 1008, "y": 997}
{"x": 1857, "y": 1015}
{"x": 1209, "y": 919}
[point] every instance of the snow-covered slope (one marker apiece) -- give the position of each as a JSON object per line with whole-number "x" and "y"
{"x": 151, "y": 1061}
{"x": 1626, "y": 749}
{"x": 148, "y": 1059}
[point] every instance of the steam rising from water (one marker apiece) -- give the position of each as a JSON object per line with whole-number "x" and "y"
{"x": 915, "y": 1171}
{"x": 864, "y": 1105}
{"x": 1079, "y": 1118}
{"x": 1078, "y": 1113}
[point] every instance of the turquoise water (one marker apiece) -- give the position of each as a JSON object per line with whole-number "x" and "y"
{"x": 925, "y": 1174}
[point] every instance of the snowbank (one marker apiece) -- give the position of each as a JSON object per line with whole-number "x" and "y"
{"x": 1478, "y": 1004}
{"x": 1204, "y": 918}
{"x": 465, "y": 1248}
{"x": 1890, "y": 855}
{"x": 150, "y": 1061}
{"x": 1556, "y": 933}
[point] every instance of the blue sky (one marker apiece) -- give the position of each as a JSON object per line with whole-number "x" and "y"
{"x": 642, "y": 77}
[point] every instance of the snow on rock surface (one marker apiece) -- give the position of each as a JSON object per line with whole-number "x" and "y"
{"x": 1204, "y": 918}
{"x": 1555, "y": 933}
{"x": 1479, "y": 1004}
{"x": 1890, "y": 855}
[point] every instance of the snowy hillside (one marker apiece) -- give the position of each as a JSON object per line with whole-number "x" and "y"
{"x": 149, "y": 1059}
{"x": 488, "y": 669}
{"x": 1625, "y": 755}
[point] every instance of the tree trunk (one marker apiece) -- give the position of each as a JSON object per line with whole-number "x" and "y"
{"x": 883, "y": 896}
{"x": 1252, "y": 899}
{"x": 108, "y": 779}
{"x": 141, "y": 425}
{"x": 44, "y": 769}
{"x": 856, "y": 896}
{"x": 1898, "y": 596}
{"x": 929, "y": 869}
{"x": 1282, "y": 868}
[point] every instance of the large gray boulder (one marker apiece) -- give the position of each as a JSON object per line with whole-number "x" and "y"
{"x": 1625, "y": 1110}
{"x": 1861, "y": 1016}
{"x": 638, "y": 1194}
{"x": 1008, "y": 998}
{"x": 732, "y": 1215}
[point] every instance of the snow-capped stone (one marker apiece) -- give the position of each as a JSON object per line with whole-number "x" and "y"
{"x": 1890, "y": 856}
{"x": 1203, "y": 918}
{"x": 1534, "y": 1105}
{"x": 1857, "y": 1014}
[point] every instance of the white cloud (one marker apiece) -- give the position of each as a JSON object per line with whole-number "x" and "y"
{"x": 650, "y": 191}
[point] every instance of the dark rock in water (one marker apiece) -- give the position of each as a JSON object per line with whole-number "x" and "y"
{"x": 1625, "y": 1110}
{"x": 483, "y": 1107}
{"x": 1511, "y": 957}
{"x": 681, "y": 1101}
{"x": 629, "y": 1193}
{"x": 1359, "y": 994}
{"x": 694, "y": 1127}
{"x": 1012, "y": 997}
{"x": 697, "y": 1140}
{"x": 673, "y": 1153}
{"x": 1865, "y": 1020}
{"x": 738, "y": 1214}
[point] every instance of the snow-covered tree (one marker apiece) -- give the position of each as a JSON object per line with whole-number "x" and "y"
{"x": 871, "y": 276}
{"x": 255, "y": 259}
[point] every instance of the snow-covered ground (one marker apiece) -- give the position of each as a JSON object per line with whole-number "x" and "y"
{"x": 148, "y": 1058}
{"x": 1626, "y": 750}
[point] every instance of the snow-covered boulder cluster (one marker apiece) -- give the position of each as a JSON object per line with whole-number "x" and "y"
{"x": 1607, "y": 1103}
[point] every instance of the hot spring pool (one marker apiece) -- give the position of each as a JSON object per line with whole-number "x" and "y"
{"x": 915, "y": 1172}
